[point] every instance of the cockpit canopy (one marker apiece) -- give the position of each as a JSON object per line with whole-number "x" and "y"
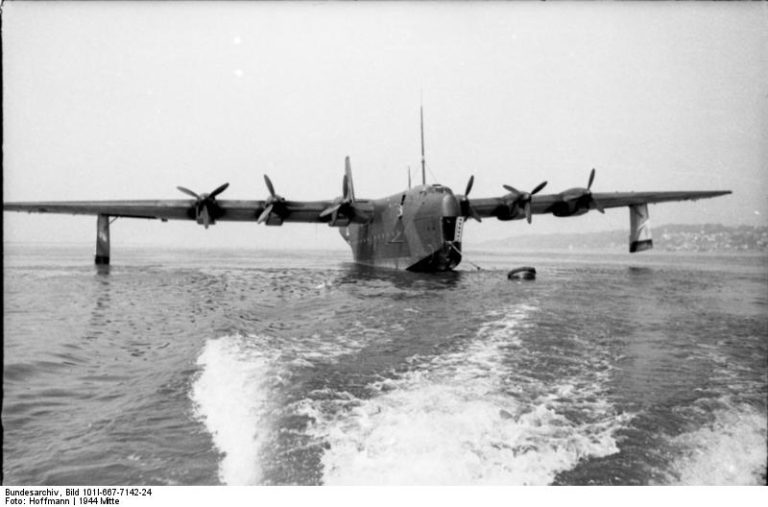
{"x": 437, "y": 188}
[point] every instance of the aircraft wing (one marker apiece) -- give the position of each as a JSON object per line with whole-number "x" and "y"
{"x": 206, "y": 210}
{"x": 617, "y": 199}
{"x": 181, "y": 209}
{"x": 566, "y": 204}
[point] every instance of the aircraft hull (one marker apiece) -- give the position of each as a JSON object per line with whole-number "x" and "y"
{"x": 418, "y": 230}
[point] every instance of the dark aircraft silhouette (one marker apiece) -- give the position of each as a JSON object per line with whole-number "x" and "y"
{"x": 418, "y": 229}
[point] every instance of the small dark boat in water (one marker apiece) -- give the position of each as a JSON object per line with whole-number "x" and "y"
{"x": 522, "y": 273}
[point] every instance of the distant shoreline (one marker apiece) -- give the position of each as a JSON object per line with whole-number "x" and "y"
{"x": 705, "y": 238}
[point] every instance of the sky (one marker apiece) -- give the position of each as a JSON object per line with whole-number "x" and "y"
{"x": 128, "y": 100}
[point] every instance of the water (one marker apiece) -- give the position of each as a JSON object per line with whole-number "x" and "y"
{"x": 259, "y": 367}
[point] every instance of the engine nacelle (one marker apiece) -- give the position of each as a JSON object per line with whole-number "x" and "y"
{"x": 567, "y": 210}
{"x": 274, "y": 219}
{"x": 639, "y": 228}
{"x": 341, "y": 221}
{"x": 575, "y": 202}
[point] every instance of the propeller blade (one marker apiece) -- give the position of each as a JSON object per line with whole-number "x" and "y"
{"x": 269, "y": 185}
{"x": 206, "y": 217}
{"x": 591, "y": 178}
{"x": 465, "y": 204}
{"x": 523, "y": 199}
{"x": 265, "y": 214}
{"x": 598, "y": 206}
{"x": 344, "y": 204}
{"x": 189, "y": 192}
{"x": 469, "y": 184}
{"x": 474, "y": 214}
{"x": 205, "y": 205}
{"x": 539, "y": 187}
{"x": 219, "y": 190}
{"x": 329, "y": 210}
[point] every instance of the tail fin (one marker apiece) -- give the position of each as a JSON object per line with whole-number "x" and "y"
{"x": 348, "y": 173}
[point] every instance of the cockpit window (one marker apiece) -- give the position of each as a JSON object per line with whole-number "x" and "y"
{"x": 437, "y": 188}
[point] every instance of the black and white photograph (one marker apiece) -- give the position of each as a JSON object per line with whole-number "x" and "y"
{"x": 385, "y": 244}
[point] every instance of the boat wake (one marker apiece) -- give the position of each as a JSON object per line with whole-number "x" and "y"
{"x": 506, "y": 405}
{"x": 731, "y": 450}
{"x": 457, "y": 419}
{"x": 239, "y": 392}
{"x": 232, "y": 398}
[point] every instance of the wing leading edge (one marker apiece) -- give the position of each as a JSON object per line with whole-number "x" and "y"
{"x": 617, "y": 199}
{"x": 180, "y": 209}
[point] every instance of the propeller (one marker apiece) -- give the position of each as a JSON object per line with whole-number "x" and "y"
{"x": 466, "y": 207}
{"x": 587, "y": 196}
{"x": 343, "y": 204}
{"x": 598, "y": 206}
{"x": 523, "y": 199}
{"x": 205, "y": 206}
{"x": 274, "y": 203}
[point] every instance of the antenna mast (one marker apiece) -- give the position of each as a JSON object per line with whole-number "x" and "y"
{"x": 423, "y": 171}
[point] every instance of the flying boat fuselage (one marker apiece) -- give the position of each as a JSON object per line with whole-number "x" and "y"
{"x": 418, "y": 229}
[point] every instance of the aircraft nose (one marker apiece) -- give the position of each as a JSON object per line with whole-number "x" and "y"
{"x": 451, "y": 207}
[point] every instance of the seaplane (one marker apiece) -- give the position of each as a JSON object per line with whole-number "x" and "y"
{"x": 418, "y": 229}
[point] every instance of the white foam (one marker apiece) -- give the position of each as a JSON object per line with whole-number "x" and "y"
{"x": 235, "y": 390}
{"x": 232, "y": 399}
{"x": 449, "y": 421}
{"x": 729, "y": 451}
